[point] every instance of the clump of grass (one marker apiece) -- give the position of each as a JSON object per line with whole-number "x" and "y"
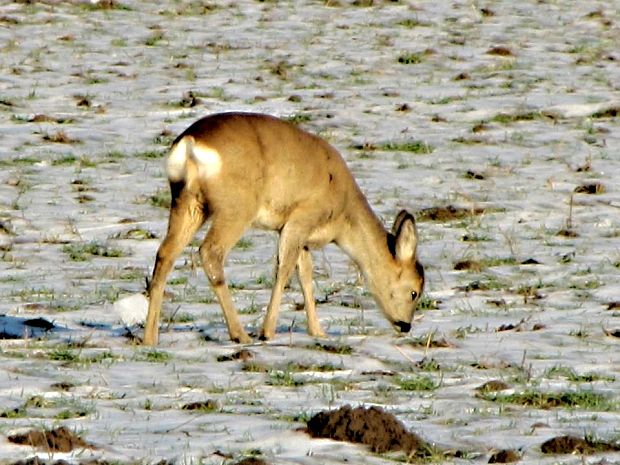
{"x": 153, "y": 356}
{"x": 509, "y": 118}
{"x": 104, "y": 5}
{"x": 17, "y": 412}
{"x": 416, "y": 146}
{"x": 64, "y": 354}
{"x": 154, "y": 39}
{"x": 150, "y": 154}
{"x": 59, "y": 137}
{"x": 583, "y": 399}
{"x": 611, "y": 112}
{"x": 487, "y": 262}
{"x": 410, "y": 58}
{"x": 427, "y": 303}
{"x": 299, "y": 118}
{"x": 283, "y": 378}
{"x": 450, "y": 213}
{"x": 161, "y": 198}
{"x": 411, "y": 23}
{"x": 244, "y": 244}
{"x": 429, "y": 341}
{"x": 73, "y": 355}
{"x": 571, "y": 375}
{"x": 417, "y": 383}
{"x": 490, "y": 283}
{"x": 79, "y": 252}
{"x": 71, "y": 159}
{"x": 331, "y": 348}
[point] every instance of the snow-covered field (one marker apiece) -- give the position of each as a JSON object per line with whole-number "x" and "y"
{"x": 506, "y": 111}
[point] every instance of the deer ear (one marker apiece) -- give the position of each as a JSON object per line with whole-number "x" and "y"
{"x": 406, "y": 239}
{"x": 398, "y": 221}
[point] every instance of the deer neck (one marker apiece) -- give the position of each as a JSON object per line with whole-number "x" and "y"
{"x": 366, "y": 241}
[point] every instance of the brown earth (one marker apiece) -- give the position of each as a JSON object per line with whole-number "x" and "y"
{"x": 493, "y": 386}
{"x": 505, "y": 456}
{"x": 574, "y": 444}
{"x": 374, "y": 427}
{"x": 57, "y": 440}
{"x": 207, "y": 405}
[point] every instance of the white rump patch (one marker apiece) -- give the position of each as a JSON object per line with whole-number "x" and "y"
{"x": 209, "y": 161}
{"x": 175, "y": 166}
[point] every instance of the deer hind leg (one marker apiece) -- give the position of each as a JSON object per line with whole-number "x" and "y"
{"x": 186, "y": 217}
{"x": 222, "y": 236}
{"x": 304, "y": 273}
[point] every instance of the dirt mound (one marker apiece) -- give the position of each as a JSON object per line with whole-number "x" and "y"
{"x": 370, "y": 426}
{"x": 574, "y": 444}
{"x": 204, "y": 406}
{"x": 57, "y": 440}
{"x": 505, "y": 456}
{"x": 493, "y": 386}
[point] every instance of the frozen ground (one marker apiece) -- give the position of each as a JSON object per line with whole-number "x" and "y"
{"x": 515, "y": 107}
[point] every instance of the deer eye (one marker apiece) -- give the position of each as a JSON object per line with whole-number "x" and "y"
{"x": 414, "y": 295}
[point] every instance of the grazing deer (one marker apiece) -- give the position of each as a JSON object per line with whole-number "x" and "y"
{"x": 242, "y": 169}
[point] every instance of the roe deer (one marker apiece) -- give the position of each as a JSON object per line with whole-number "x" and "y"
{"x": 243, "y": 169}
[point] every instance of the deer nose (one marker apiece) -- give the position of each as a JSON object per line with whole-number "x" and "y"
{"x": 403, "y": 326}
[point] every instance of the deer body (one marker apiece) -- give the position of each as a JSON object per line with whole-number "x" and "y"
{"x": 241, "y": 170}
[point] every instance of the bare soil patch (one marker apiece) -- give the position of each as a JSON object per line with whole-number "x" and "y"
{"x": 493, "y": 386}
{"x": 470, "y": 265}
{"x": 590, "y": 188}
{"x": 243, "y": 355}
{"x": 505, "y": 456}
{"x": 374, "y": 427}
{"x": 204, "y": 406}
{"x": 61, "y": 439}
{"x": 574, "y": 444}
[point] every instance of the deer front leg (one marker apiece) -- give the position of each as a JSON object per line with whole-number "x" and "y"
{"x": 288, "y": 251}
{"x": 304, "y": 273}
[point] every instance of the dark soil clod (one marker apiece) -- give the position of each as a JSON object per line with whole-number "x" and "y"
{"x": 505, "y": 456}
{"x": 471, "y": 265}
{"x": 573, "y": 444}
{"x": 243, "y": 355}
{"x": 57, "y": 440}
{"x": 500, "y": 51}
{"x": 493, "y": 386}
{"x": 372, "y": 426}
{"x": 207, "y": 405}
{"x": 592, "y": 188}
